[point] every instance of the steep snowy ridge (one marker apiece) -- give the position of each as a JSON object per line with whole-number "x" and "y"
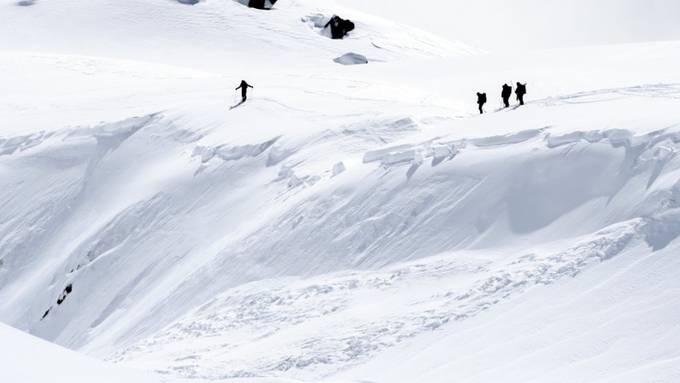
{"x": 346, "y": 222}
{"x": 400, "y": 211}
{"x": 319, "y": 326}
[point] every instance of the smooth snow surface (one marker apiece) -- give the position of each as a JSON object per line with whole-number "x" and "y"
{"x": 29, "y": 359}
{"x": 502, "y": 25}
{"x": 351, "y": 223}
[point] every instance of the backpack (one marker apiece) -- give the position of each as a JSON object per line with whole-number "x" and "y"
{"x": 521, "y": 88}
{"x": 348, "y": 25}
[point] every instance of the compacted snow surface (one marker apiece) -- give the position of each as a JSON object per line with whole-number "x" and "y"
{"x": 348, "y": 223}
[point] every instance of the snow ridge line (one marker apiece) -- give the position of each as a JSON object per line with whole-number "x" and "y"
{"x": 439, "y": 150}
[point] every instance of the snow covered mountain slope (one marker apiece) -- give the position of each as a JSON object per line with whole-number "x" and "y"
{"x": 345, "y": 218}
{"x": 614, "y": 323}
{"x": 29, "y": 359}
{"x": 217, "y": 34}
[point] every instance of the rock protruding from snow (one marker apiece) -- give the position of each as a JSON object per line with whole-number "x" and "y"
{"x": 351, "y": 59}
{"x": 258, "y": 4}
{"x": 333, "y": 27}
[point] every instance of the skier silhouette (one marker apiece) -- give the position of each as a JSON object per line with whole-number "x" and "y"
{"x": 481, "y": 100}
{"x": 244, "y": 90}
{"x": 520, "y": 91}
{"x": 506, "y": 93}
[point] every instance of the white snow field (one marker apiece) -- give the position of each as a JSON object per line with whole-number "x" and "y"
{"x": 350, "y": 223}
{"x": 30, "y": 359}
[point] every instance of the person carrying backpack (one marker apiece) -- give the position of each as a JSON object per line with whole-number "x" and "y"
{"x": 505, "y": 94}
{"x": 481, "y": 100}
{"x": 520, "y": 91}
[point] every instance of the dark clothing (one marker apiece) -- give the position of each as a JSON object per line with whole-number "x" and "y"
{"x": 520, "y": 92}
{"x": 244, "y": 89}
{"x": 481, "y": 100}
{"x": 339, "y": 27}
{"x": 506, "y": 93}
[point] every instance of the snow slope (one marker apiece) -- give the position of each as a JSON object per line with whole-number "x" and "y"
{"x": 346, "y": 219}
{"x": 615, "y": 323}
{"x": 30, "y": 359}
{"x": 21, "y": 352}
{"x": 222, "y": 35}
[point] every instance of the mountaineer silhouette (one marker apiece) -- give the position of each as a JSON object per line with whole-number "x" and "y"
{"x": 520, "y": 91}
{"x": 481, "y": 100}
{"x": 506, "y": 93}
{"x": 244, "y": 90}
